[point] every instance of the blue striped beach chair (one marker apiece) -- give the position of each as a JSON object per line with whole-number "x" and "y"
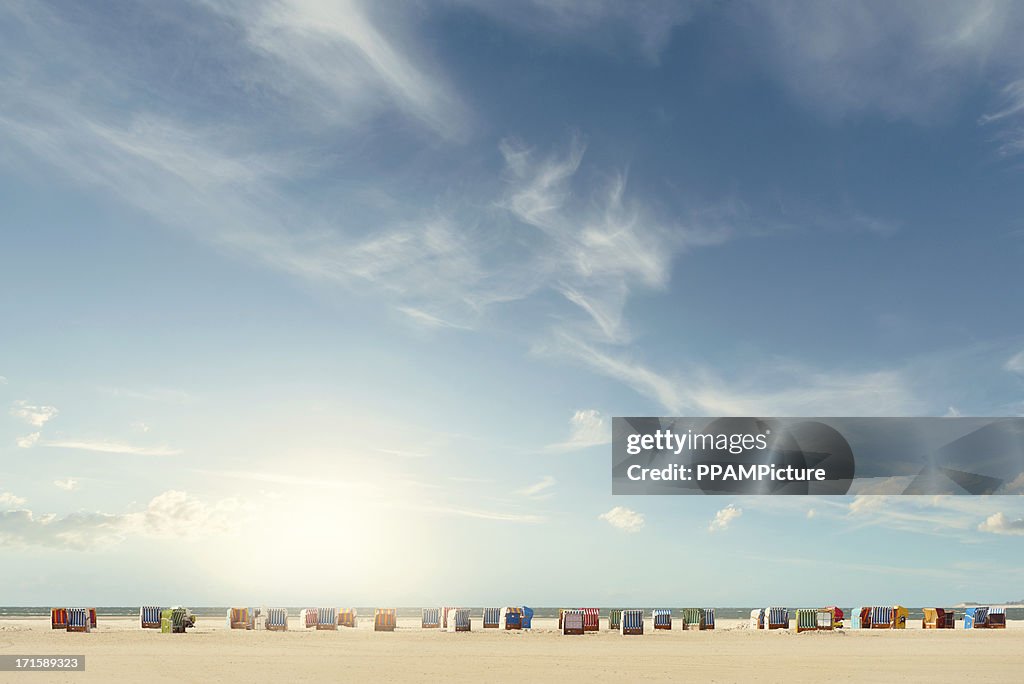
{"x": 996, "y": 618}
{"x": 976, "y": 617}
{"x": 79, "y": 620}
{"x": 149, "y": 617}
{"x": 631, "y": 622}
{"x": 757, "y": 618}
{"x": 881, "y": 617}
{"x": 277, "y": 619}
{"x": 492, "y": 618}
{"x": 460, "y": 618}
{"x": 776, "y": 618}
{"x": 431, "y": 618}
{"x": 327, "y": 618}
{"x": 661, "y": 618}
{"x": 709, "y": 618}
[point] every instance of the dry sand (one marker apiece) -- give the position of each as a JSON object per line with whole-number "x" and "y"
{"x": 118, "y": 651}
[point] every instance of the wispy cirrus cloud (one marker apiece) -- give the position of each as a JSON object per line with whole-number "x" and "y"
{"x": 539, "y": 490}
{"x": 109, "y": 447}
{"x": 604, "y": 25}
{"x": 909, "y": 60}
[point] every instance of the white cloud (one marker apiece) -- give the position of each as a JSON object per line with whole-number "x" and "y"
{"x": 724, "y": 518}
{"x": 785, "y": 389}
{"x": 624, "y": 519}
{"x": 587, "y": 428}
{"x": 1015, "y": 364}
{"x": 539, "y": 490}
{"x": 67, "y": 485}
{"x": 902, "y": 60}
{"x": 8, "y": 500}
{"x": 107, "y": 447}
{"x": 999, "y": 523}
{"x": 172, "y": 514}
{"x": 343, "y": 62}
{"x": 140, "y": 426}
{"x": 36, "y": 416}
{"x": 28, "y": 441}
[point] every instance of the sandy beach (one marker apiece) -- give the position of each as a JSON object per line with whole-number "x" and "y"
{"x": 118, "y": 651}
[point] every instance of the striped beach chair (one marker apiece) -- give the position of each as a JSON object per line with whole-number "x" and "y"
{"x": 444, "y": 616}
{"x": 572, "y": 621}
{"x": 327, "y": 619}
{"x": 308, "y": 618}
{"x": 591, "y": 620}
{"x": 348, "y": 617}
{"x": 614, "y": 619}
{"x": 631, "y": 621}
{"x": 881, "y": 617}
{"x": 757, "y": 618}
{"x": 58, "y": 618}
{"x": 527, "y": 617}
{"x": 709, "y": 618}
{"x": 431, "y": 618}
{"x": 92, "y": 617}
{"x": 492, "y": 618}
{"x": 384, "y": 620}
{"x": 277, "y": 619}
{"x": 149, "y": 617}
{"x": 461, "y": 620}
{"x": 661, "y": 618}
{"x": 78, "y": 620}
{"x": 175, "y": 620}
{"x": 976, "y": 617}
{"x": 776, "y": 618}
{"x": 238, "y": 618}
{"x": 996, "y": 618}
{"x": 257, "y": 618}
{"x": 806, "y": 620}
{"x": 693, "y": 619}
{"x": 511, "y": 617}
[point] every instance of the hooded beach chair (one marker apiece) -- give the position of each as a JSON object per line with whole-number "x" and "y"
{"x": 591, "y": 620}
{"x": 277, "y": 619}
{"x": 806, "y": 620}
{"x": 776, "y": 618}
{"x": 511, "y": 617}
{"x": 384, "y": 620}
{"x": 572, "y": 621}
{"x": 78, "y": 620}
{"x": 661, "y": 618}
{"x": 347, "y": 617}
{"x": 460, "y": 620}
{"x": 757, "y": 618}
{"x": 631, "y": 622}
{"x": 492, "y": 618}
{"x": 527, "y": 617}
{"x": 431, "y": 618}
{"x": 149, "y": 617}
{"x": 693, "y": 619}
{"x": 59, "y": 618}
{"x": 976, "y": 617}
{"x": 614, "y": 619}
{"x": 996, "y": 618}
{"x": 327, "y": 619}
{"x": 238, "y": 618}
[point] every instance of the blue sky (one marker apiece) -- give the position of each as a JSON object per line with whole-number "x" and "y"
{"x": 285, "y": 280}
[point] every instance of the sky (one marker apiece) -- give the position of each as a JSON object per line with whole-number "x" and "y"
{"x": 311, "y": 302}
